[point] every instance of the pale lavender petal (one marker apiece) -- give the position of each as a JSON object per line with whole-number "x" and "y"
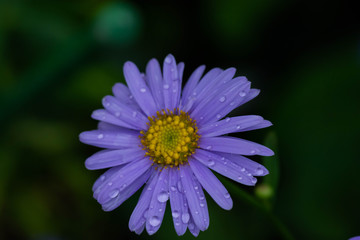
{"x": 229, "y": 125}
{"x": 122, "y": 93}
{"x": 139, "y": 89}
{"x": 262, "y": 124}
{"x": 211, "y": 184}
{"x": 253, "y": 93}
{"x": 234, "y": 145}
{"x": 180, "y": 68}
{"x": 158, "y": 203}
{"x": 126, "y": 192}
{"x": 112, "y": 158}
{"x": 110, "y": 139}
{"x": 225, "y": 167}
{"x": 212, "y": 108}
{"x": 105, "y": 116}
{"x": 171, "y": 85}
{"x": 195, "y": 197}
{"x": 178, "y": 208}
{"x": 191, "y": 84}
{"x": 155, "y": 81}
{"x": 125, "y": 113}
{"x": 124, "y": 177}
{"x": 137, "y": 219}
{"x": 256, "y": 169}
{"x": 139, "y": 230}
{"x": 193, "y": 228}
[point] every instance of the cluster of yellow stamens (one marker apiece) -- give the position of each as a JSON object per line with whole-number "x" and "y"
{"x": 171, "y": 138}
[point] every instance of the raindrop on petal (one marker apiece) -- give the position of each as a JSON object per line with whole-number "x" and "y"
{"x": 185, "y": 217}
{"x": 175, "y": 214}
{"x": 222, "y": 99}
{"x": 114, "y": 193}
{"x": 154, "y": 221}
{"x": 163, "y": 196}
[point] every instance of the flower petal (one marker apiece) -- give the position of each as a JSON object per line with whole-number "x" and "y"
{"x": 229, "y": 125}
{"x": 178, "y": 202}
{"x": 172, "y": 88}
{"x": 234, "y": 145}
{"x": 212, "y": 108}
{"x": 126, "y": 193}
{"x": 191, "y": 84}
{"x": 137, "y": 219}
{"x": 125, "y": 113}
{"x": 121, "y": 179}
{"x": 105, "y": 116}
{"x": 195, "y": 198}
{"x": 110, "y": 139}
{"x": 211, "y": 184}
{"x": 155, "y": 80}
{"x": 111, "y": 158}
{"x": 109, "y": 126}
{"x": 158, "y": 203}
{"x": 101, "y": 180}
{"x": 122, "y": 93}
{"x": 256, "y": 169}
{"x": 193, "y": 228}
{"x": 225, "y": 167}
{"x": 262, "y": 124}
{"x": 139, "y": 89}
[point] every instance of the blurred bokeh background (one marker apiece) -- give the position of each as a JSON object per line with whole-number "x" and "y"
{"x": 59, "y": 58}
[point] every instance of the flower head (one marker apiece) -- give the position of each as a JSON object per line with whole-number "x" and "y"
{"x": 155, "y": 134}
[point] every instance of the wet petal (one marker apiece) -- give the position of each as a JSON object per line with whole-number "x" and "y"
{"x": 121, "y": 179}
{"x": 158, "y": 203}
{"x": 122, "y": 93}
{"x": 126, "y": 193}
{"x": 137, "y": 219}
{"x": 211, "y": 184}
{"x": 191, "y": 84}
{"x": 225, "y": 167}
{"x": 177, "y": 198}
{"x": 229, "y": 125}
{"x": 110, "y": 139}
{"x": 155, "y": 81}
{"x": 234, "y": 145}
{"x": 195, "y": 198}
{"x": 171, "y": 87}
{"x": 193, "y": 228}
{"x": 139, "y": 89}
{"x": 105, "y": 116}
{"x": 125, "y": 113}
{"x": 112, "y": 158}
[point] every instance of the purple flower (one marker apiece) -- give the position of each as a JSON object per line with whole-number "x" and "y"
{"x": 155, "y": 134}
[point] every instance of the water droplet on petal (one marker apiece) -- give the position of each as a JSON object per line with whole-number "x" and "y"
{"x": 185, "y": 217}
{"x": 196, "y": 212}
{"x": 252, "y": 151}
{"x": 102, "y": 178}
{"x": 123, "y": 186}
{"x": 201, "y": 197}
{"x": 211, "y": 162}
{"x": 259, "y": 171}
{"x": 242, "y": 94}
{"x": 196, "y": 187}
{"x": 168, "y": 59}
{"x": 114, "y": 193}
{"x": 227, "y": 195}
{"x": 154, "y": 221}
{"x": 227, "y": 119}
{"x": 134, "y": 114}
{"x": 218, "y": 116}
{"x": 232, "y": 103}
{"x": 191, "y": 226}
{"x": 142, "y": 90}
{"x": 239, "y": 177}
{"x": 242, "y": 169}
{"x": 253, "y": 180}
{"x": 166, "y": 86}
{"x": 179, "y": 186}
{"x": 163, "y": 196}
{"x": 109, "y": 183}
{"x": 173, "y": 188}
{"x": 222, "y": 99}
{"x": 238, "y": 126}
{"x": 208, "y": 147}
{"x": 175, "y": 214}
{"x": 202, "y": 205}
{"x": 100, "y": 136}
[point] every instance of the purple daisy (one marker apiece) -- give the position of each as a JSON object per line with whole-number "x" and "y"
{"x": 155, "y": 134}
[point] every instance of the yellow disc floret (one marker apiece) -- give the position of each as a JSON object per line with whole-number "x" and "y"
{"x": 171, "y": 138}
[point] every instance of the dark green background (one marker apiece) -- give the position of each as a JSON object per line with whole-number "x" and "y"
{"x": 59, "y": 58}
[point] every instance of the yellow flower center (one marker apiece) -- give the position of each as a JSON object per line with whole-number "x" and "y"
{"x": 171, "y": 138}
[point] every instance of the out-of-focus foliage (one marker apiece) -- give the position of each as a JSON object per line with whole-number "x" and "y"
{"x": 59, "y": 58}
